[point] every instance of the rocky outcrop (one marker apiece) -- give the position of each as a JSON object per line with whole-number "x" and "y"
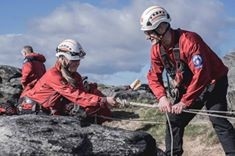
{"x": 229, "y": 60}
{"x": 61, "y": 135}
{"x": 10, "y": 87}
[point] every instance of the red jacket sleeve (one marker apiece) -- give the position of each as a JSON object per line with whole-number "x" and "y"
{"x": 194, "y": 48}
{"x": 154, "y": 76}
{"x": 76, "y": 95}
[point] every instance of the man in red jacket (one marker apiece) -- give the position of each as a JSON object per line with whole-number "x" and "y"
{"x": 33, "y": 67}
{"x": 32, "y": 70}
{"x": 198, "y": 77}
{"x": 62, "y": 86}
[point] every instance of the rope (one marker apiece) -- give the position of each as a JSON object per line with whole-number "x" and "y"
{"x": 193, "y": 111}
{"x": 206, "y": 114}
{"x": 212, "y": 111}
{"x": 130, "y": 119}
{"x": 171, "y": 133}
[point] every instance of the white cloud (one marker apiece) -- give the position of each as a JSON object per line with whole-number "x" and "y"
{"x": 116, "y": 49}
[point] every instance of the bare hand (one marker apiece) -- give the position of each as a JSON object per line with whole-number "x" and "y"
{"x": 164, "y": 104}
{"x": 178, "y": 108}
{"x": 111, "y": 101}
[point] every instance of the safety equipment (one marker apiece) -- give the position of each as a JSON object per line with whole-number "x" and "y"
{"x": 152, "y": 17}
{"x": 75, "y": 110}
{"x": 86, "y": 83}
{"x": 28, "y": 106}
{"x": 71, "y": 49}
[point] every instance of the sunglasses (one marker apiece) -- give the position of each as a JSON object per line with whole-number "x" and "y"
{"x": 81, "y": 53}
{"x": 153, "y": 32}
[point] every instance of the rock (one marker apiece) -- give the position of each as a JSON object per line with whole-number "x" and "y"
{"x": 143, "y": 94}
{"x": 62, "y": 135}
{"x": 229, "y": 61}
{"x": 10, "y": 87}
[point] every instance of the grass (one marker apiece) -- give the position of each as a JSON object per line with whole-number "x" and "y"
{"x": 204, "y": 131}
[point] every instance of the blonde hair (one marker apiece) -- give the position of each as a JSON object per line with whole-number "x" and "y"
{"x": 66, "y": 74}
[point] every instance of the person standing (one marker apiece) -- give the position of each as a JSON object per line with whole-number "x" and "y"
{"x": 198, "y": 77}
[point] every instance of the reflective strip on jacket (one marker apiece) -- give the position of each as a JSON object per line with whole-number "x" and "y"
{"x": 201, "y": 60}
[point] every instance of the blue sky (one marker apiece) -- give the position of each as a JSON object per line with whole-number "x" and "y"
{"x": 117, "y": 52}
{"x": 17, "y": 14}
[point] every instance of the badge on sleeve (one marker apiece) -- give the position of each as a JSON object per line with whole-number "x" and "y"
{"x": 197, "y": 61}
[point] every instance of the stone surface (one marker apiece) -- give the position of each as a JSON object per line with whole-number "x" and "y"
{"x": 229, "y": 61}
{"x": 61, "y": 135}
{"x": 10, "y": 87}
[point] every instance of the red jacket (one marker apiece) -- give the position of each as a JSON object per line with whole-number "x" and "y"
{"x": 49, "y": 90}
{"x": 32, "y": 70}
{"x": 204, "y": 64}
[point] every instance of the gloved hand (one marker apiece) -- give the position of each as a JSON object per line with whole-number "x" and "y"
{"x": 122, "y": 102}
{"x": 108, "y": 102}
{"x": 75, "y": 110}
{"x": 111, "y": 101}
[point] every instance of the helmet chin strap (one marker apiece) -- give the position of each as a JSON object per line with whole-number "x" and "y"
{"x": 159, "y": 38}
{"x": 156, "y": 40}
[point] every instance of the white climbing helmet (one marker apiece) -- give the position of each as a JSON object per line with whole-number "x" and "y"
{"x": 71, "y": 49}
{"x": 152, "y": 17}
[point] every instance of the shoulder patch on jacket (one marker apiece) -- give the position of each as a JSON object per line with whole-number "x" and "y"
{"x": 197, "y": 61}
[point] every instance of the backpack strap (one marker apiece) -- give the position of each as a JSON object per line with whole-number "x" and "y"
{"x": 176, "y": 53}
{"x": 167, "y": 63}
{"x": 29, "y": 59}
{"x": 171, "y": 68}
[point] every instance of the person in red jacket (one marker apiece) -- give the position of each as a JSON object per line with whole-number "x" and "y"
{"x": 32, "y": 70}
{"x": 61, "y": 88}
{"x": 33, "y": 67}
{"x": 198, "y": 77}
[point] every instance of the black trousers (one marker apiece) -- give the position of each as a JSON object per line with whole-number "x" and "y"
{"x": 216, "y": 100}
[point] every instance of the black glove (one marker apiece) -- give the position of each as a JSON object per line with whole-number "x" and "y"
{"x": 75, "y": 110}
{"x": 120, "y": 97}
{"x": 8, "y": 109}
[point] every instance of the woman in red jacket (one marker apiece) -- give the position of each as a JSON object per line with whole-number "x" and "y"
{"x": 198, "y": 75}
{"x": 62, "y": 86}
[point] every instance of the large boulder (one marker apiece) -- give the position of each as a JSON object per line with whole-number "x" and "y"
{"x": 229, "y": 61}
{"x": 61, "y": 135}
{"x": 10, "y": 87}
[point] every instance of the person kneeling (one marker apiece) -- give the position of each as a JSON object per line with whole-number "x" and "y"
{"x": 62, "y": 86}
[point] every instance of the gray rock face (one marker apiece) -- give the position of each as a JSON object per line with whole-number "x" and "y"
{"x": 10, "y": 87}
{"x": 229, "y": 61}
{"x": 60, "y": 135}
